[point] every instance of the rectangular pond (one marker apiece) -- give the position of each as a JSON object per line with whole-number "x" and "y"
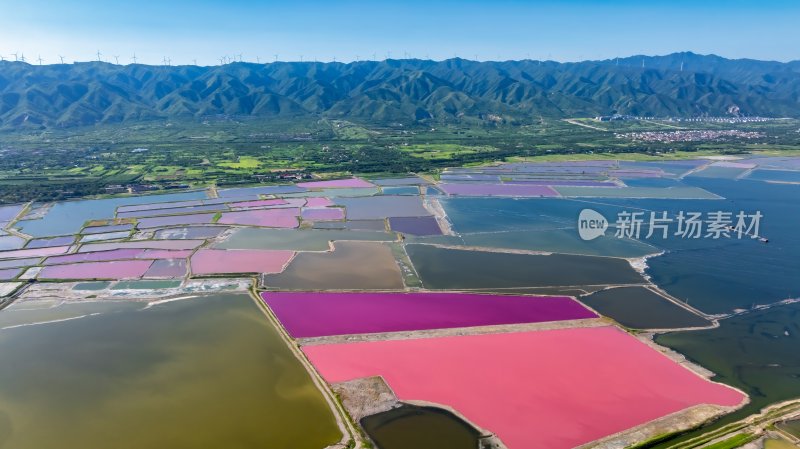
{"x": 315, "y": 314}
{"x": 560, "y": 388}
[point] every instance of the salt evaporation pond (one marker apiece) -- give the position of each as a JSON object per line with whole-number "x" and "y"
{"x": 143, "y": 244}
{"x": 560, "y": 388}
{"x": 119, "y": 269}
{"x": 367, "y": 208}
{"x": 68, "y": 217}
{"x": 176, "y": 220}
{"x": 11, "y": 242}
{"x": 254, "y": 192}
{"x": 13, "y": 263}
{"x": 410, "y": 426}
{"x": 221, "y": 261}
{"x": 8, "y": 274}
{"x": 294, "y": 239}
{"x": 476, "y": 189}
{"x": 316, "y": 314}
{"x": 173, "y": 211}
{"x": 168, "y": 369}
{"x": 401, "y": 190}
{"x": 105, "y": 236}
{"x": 167, "y": 268}
{"x": 106, "y": 229}
{"x": 35, "y": 252}
{"x": 441, "y": 268}
{"x": 641, "y": 308}
{"x": 323, "y": 214}
{"x": 353, "y": 225}
{"x": 352, "y": 265}
{"x": 415, "y": 225}
{"x": 55, "y": 241}
{"x": 114, "y": 254}
{"x": 774, "y": 175}
{"x": 272, "y": 218}
{"x": 192, "y": 232}
{"x": 336, "y": 183}
{"x": 410, "y": 180}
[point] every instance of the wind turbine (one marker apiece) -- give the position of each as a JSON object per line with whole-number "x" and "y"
{"x": 61, "y": 58}
{"x": 98, "y": 56}
{"x": 301, "y": 58}
{"x": 116, "y": 59}
{"x": 164, "y": 60}
{"x": 194, "y": 61}
{"x": 2, "y": 58}
{"x": 258, "y": 60}
{"x": 134, "y": 57}
{"x": 40, "y": 59}
{"x": 240, "y": 57}
{"x": 276, "y": 57}
{"x": 16, "y": 57}
{"x": 22, "y": 57}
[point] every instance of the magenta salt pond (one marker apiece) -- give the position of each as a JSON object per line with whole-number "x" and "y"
{"x": 314, "y": 314}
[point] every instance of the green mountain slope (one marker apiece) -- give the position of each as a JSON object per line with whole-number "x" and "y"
{"x": 681, "y": 84}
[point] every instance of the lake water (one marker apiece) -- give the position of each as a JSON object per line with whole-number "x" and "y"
{"x": 163, "y": 376}
{"x": 757, "y": 352}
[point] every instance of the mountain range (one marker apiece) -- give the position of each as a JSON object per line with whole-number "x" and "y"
{"x": 409, "y": 90}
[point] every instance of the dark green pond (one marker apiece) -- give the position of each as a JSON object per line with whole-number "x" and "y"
{"x": 641, "y": 308}
{"x": 442, "y": 268}
{"x": 413, "y": 427}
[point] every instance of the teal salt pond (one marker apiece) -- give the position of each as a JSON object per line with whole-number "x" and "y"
{"x": 129, "y": 376}
{"x": 68, "y": 217}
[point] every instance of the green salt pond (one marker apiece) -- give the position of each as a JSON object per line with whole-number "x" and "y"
{"x": 209, "y": 372}
{"x": 441, "y": 268}
{"x": 410, "y": 426}
{"x": 641, "y": 308}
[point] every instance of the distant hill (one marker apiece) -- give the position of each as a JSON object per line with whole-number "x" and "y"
{"x": 680, "y": 84}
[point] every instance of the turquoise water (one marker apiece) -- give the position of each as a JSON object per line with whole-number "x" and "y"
{"x": 68, "y": 217}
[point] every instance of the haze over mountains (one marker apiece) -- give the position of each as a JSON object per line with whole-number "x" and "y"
{"x": 680, "y": 84}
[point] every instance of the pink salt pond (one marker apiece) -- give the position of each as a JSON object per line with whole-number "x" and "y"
{"x": 120, "y": 269}
{"x": 36, "y": 252}
{"x": 221, "y": 261}
{"x": 554, "y": 389}
{"x": 258, "y": 203}
{"x": 336, "y": 183}
{"x": 271, "y": 218}
{"x": 318, "y": 201}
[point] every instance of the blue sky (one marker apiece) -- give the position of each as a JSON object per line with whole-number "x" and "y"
{"x": 566, "y": 30}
